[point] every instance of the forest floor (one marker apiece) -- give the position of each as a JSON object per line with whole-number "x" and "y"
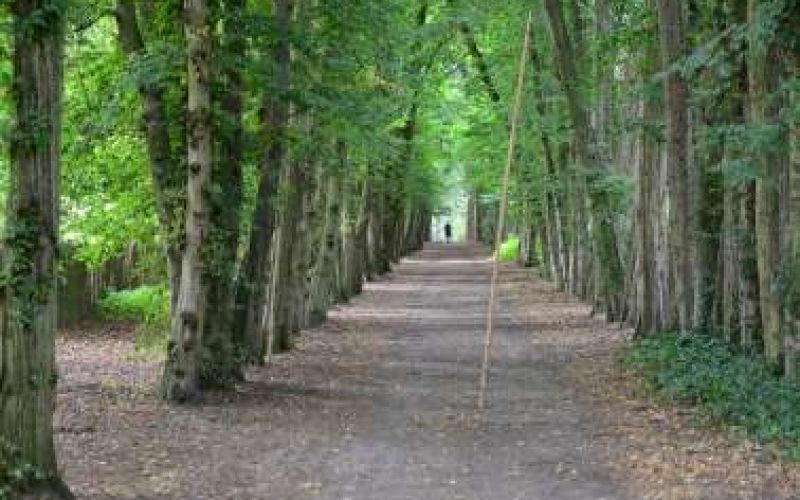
{"x": 380, "y": 404}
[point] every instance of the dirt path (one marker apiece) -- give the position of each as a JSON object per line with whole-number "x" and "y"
{"x": 379, "y": 404}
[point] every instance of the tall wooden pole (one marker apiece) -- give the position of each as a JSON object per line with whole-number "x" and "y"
{"x": 501, "y": 217}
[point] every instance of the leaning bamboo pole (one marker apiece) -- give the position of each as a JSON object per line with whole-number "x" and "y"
{"x": 501, "y": 216}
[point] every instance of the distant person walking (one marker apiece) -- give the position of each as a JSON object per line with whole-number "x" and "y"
{"x": 448, "y": 233}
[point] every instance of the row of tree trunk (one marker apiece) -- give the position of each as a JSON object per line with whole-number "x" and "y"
{"x": 320, "y": 224}
{"x": 709, "y": 241}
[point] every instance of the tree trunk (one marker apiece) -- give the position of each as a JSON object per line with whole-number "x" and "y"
{"x": 358, "y": 258}
{"x": 764, "y": 74}
{"x": 285, "y": 247}
{"x": 553, "y": 199}
{"x": 184, "y": 353}
{"x": 526, "y": 236}
{"x": 164, "y": 169}
{"x": 646, "y": 319}
{"x": 304, "y": 249}
{"x": 473, "y": 223}
{"x": 708, "y": 197}
{"x": 707, "y": 239}
{"x": 379, "y": 254}
{"x": 323, "y": 281}
{"x": 731, "y": 262}
{"x": 347, "y": 232}
{"x": 673, "y": 40}
{"x": 316, "y": 206}
{"x": 220, "y": 366}
{"x": 28, "y": 295}
{"x": 539, "y": 232}
{"x": 749, "y": 307}
{"x": 792, "y": 302}
{"x": 586, "y": 148}
{"x": 252, "y": 282}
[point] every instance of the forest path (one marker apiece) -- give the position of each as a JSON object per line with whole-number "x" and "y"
{"x": 377, "y": 404}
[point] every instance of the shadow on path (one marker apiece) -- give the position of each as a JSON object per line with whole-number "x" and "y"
{"x": 378, "y": 404}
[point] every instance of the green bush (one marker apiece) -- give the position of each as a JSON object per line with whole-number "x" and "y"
{"x": 147, "y": 305}
{"x": 509, "y": 250}
{"x": 728, "y": 387}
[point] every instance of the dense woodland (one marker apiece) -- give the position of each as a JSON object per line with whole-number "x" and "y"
{"x": 259, "y": 160}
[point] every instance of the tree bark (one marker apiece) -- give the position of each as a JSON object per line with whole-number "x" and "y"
{"x": 221, "y": 366}
{"x": 731, "y": 262}
{"x": 378, "y": 252}
{"x": 355, "y": 239}
{"x": 301, "y": 256}
{"x": 290, "y": 210}
{"x": 317, "y": 205}
{"x": 646, "y": 315}
{"x": 749, "y": 306}
{"x": 764, "y": 75}
{"x": 673, "y": 39}
{"x": 323, "y": 280}
{"x": 184, "y": 351}
{"x": 358, "y": 259}
{"x": 28, "y": 294}
{"x": 792, "y": 302}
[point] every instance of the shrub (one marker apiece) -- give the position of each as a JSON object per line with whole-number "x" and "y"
{"x": 509, "y": 250}
{"x": 147, "y": 305}
{"x": 729, "y": 387}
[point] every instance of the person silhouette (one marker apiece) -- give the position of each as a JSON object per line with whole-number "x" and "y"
{"x": 448, "y": 232}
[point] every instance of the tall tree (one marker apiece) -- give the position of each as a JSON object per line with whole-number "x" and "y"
{"x": 252, "y": 285}
{"x": 184, "y": 352}
{"x": 587, "y": 152}
{"x": 553, "y": 197}
{"x": 646, "y": 313}
{"x": 221, "y": 361}
{"x": 28, "y": 299}
{"x": 791, "y": 301}
{"x": 765, "y": 72}
{"x": 673, "y": 42}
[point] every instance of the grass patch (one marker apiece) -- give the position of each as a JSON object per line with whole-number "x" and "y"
{"x": 146, "y": 305}
{"x": 729, "y": 388}
{"x": 509, "y": 250}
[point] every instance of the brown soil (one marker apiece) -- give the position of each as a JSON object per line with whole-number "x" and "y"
{"x": 380, "y": 404}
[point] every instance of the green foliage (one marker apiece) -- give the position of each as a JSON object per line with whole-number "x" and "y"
{"x": 43, "y": 21}
{"x": 729, "y": 387}
{"x": 15, "y": 474}
{"x": 618, "y": 190}
{"x": 107, "y": 195}
{"x": 147, "y": 305}
{"x": 5, "y": 109}
{"x": 509, "y": 250}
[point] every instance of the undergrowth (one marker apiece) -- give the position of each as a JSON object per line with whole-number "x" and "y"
{"x": 509, "y": 250}
{"x": 729, "y": 388}
{"x": 146, "y": 305}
